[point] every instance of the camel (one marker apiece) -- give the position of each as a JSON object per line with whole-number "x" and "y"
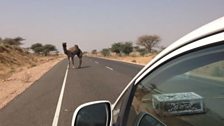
{"x": 71, "y": 52}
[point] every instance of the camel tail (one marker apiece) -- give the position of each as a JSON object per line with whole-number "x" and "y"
{"x": 65, "y": 48}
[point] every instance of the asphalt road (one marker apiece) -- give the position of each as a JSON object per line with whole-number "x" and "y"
{"x": 98, "y": 79}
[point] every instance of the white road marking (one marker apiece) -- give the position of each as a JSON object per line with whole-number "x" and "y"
{"x": 57, "y": 112}
{"x": 109, "y": 68}
{"x": 96, "y": 62}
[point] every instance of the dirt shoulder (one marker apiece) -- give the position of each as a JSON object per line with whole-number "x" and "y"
{"x": 23, "y": 77}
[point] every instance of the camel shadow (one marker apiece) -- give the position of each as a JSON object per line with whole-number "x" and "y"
{"x": 83, "y": 67}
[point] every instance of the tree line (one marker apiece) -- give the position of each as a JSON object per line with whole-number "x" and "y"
{"x": 17, "y": 41}
{"x": 37, "y": 48}
{"x": 145, "y": 44}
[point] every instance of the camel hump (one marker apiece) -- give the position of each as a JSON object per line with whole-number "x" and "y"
{"x": 75, "y": 48}
{"x": 72, "y": 49}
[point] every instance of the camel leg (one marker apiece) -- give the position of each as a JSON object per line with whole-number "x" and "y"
{"x": 80, "y": 62}
{"x": 68, "y": 61}
{"x": 80, "y": 59}
{"x": 73, "y": 65}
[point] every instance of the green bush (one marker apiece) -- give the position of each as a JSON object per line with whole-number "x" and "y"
{"x": 127, "y": 48}
{"x": 105, "y": 52}
{"x": 121, "y": 47}
{"x": 142, "y": 51}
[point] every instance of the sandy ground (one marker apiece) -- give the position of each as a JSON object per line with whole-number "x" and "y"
{"x": 20, "y": 81}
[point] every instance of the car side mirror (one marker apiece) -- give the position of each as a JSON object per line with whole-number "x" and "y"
{"x": 146, "y": 119}
{"x": 93, "y": 114}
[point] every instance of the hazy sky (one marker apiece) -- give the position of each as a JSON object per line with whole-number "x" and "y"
{"x": 96, "y": 24}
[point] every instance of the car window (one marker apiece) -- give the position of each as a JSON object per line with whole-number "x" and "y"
{"x": 185, "y": 91}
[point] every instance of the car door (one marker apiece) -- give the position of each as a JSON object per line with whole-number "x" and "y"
{"x": 184, "y": 88}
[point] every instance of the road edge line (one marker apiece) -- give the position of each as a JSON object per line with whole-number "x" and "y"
{"x": 109, "y": 68}
{"x": 58, "y": 109}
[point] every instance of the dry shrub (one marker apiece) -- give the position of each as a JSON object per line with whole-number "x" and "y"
{"x": 134, "y": 61}
{"x": 26, "y": 77}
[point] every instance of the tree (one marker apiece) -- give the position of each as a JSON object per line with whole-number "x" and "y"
{"x": 13, "y": 41}
{"x": 37, "y": 48}
{"x": 142, "y": 51}
{"x": 19, "y": 39}
{"x": 105, "y": 52}
{"x": 116, "y": 47}
{"x": 126, "y": 48}
{"x": 47, "y": 48}
{"x": 148, "y": 41}
{"x": 36, "y": 45}
{"x": 94, "y": 51}
{"x": 136, "y": 48}
{"x": 121, "y": 47}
